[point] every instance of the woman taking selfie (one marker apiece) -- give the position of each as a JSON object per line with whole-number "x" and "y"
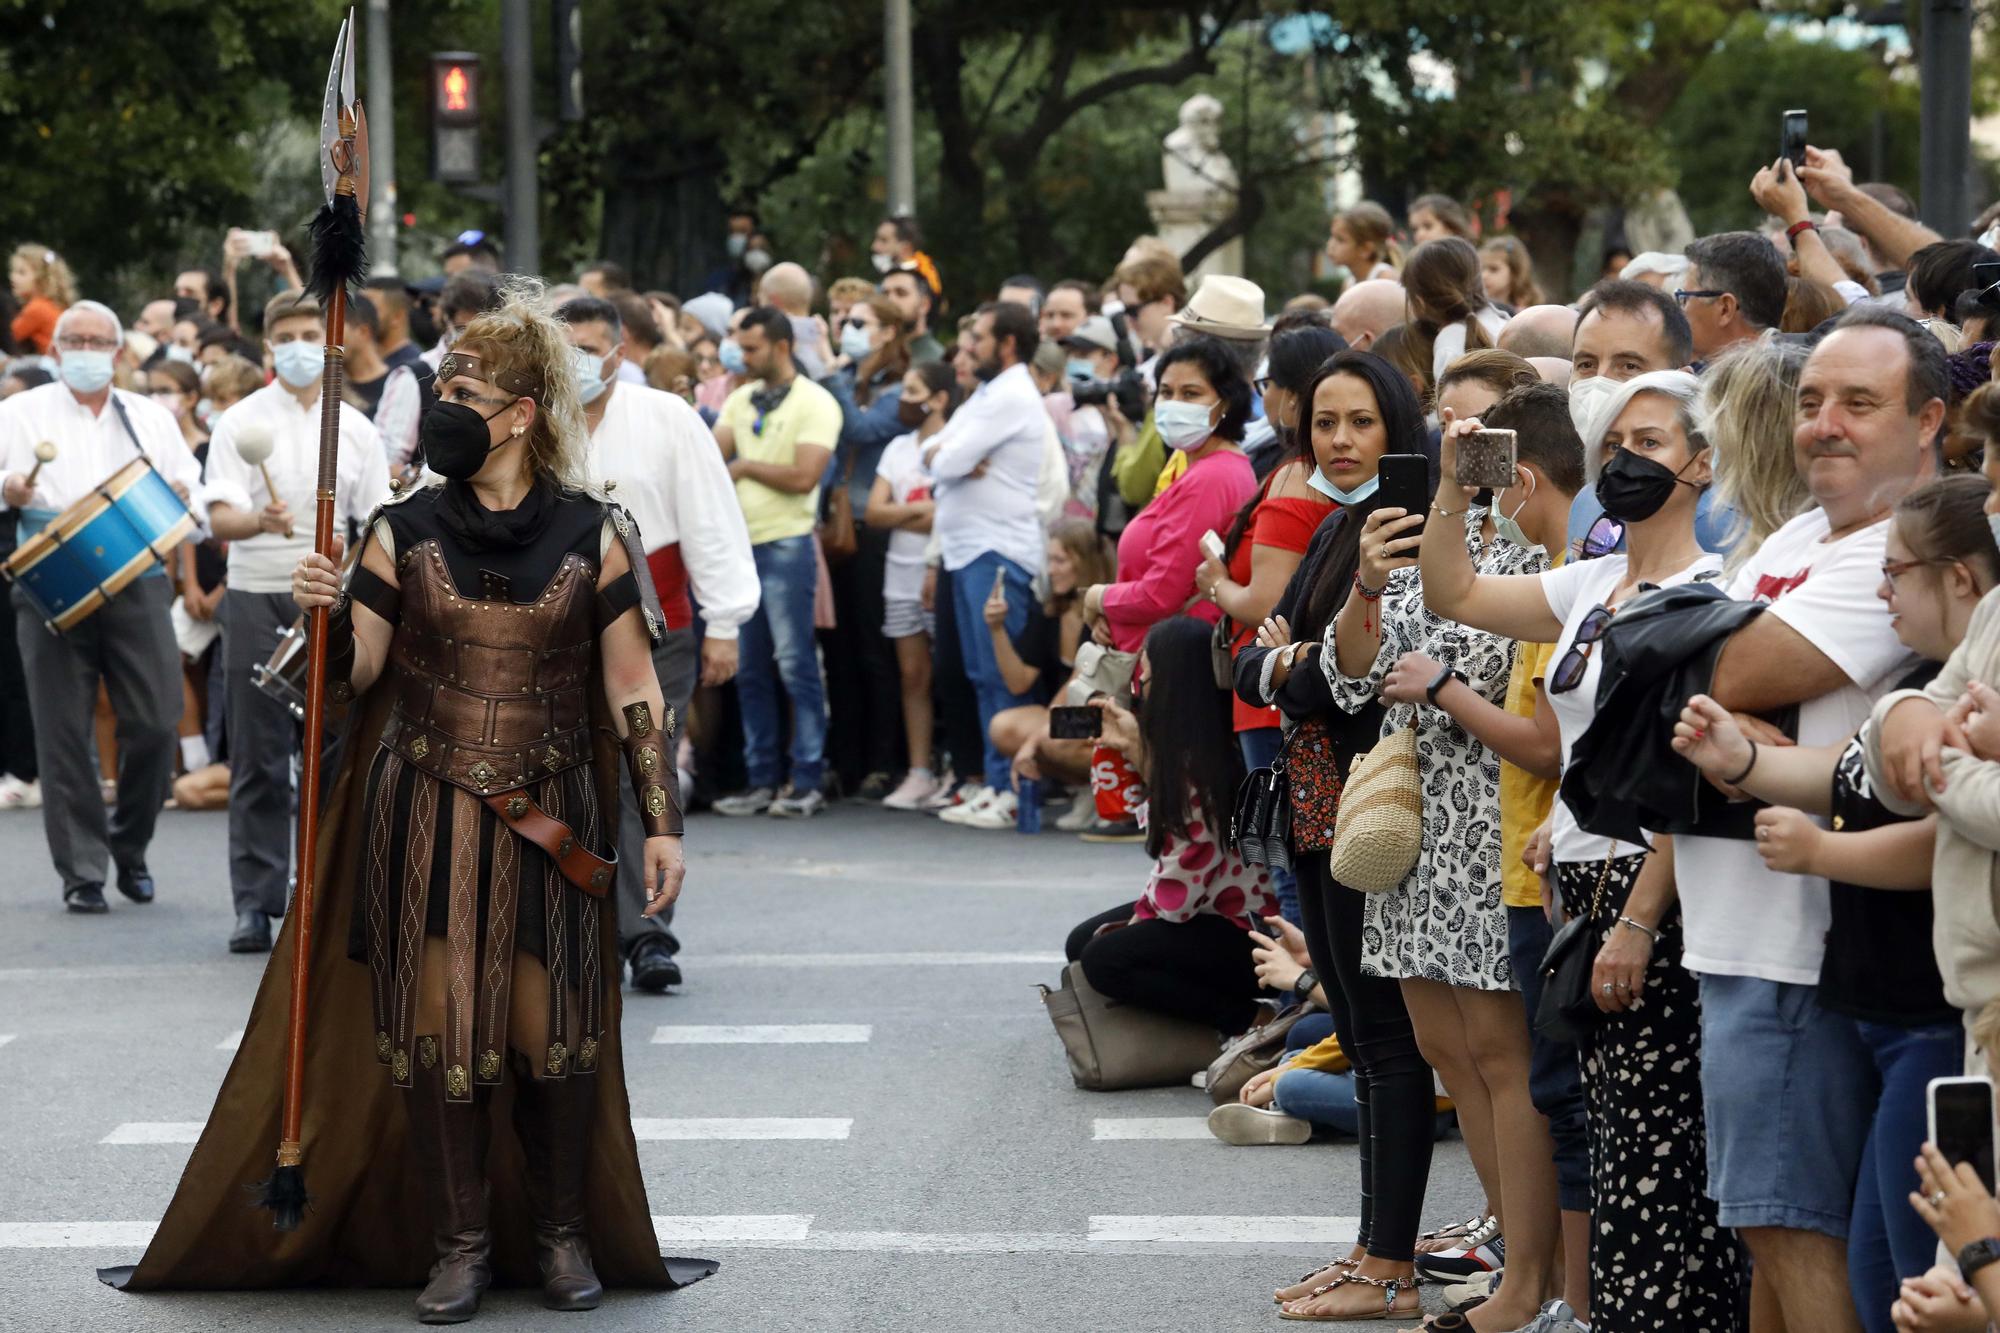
{"x": 1355, "y": 410}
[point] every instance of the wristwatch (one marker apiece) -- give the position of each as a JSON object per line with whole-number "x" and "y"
{"x": 1439, "y": 681}
{"x": 1977, "y": 1256}
{"x": 1305, "y": 984}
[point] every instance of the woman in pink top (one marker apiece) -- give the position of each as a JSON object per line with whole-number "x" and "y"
{"x": 1202, "y": 408}
{"x": 1183, "y": 947}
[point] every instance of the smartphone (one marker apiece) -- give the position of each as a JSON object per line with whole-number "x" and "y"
{"x": 1985, "y": 276}
{"x": 1486, "y": 460}
{"x": 1075, "y": 724}
{"x": 1961, "y": 1123}
{"x": 1792, "y": 138}
{"x": 260, "y": 243}
{"x": 1211, "y": 546}
{"x": 1406, "y": 484}
{"x": 999, "y": 584}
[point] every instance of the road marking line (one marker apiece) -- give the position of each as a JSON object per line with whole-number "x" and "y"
{"x": 152, "y": 1132}
{"x": 1210, "y": 1230}
{"x": 156, "y": 1131}
{"x": 6, "y": 1037}
{"x": 74, "y": 1235}
{"x": 766, "y": 1034}
{"x": 230, "y": 1042}
{"x": 1150, "y": 1127}
{"x": 722, "y": 1229}
{"x": 751, "y": 1127}
{"x": 915, "y": 959}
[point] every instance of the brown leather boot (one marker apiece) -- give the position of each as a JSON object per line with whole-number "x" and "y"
{"x": 552, "y": 1118}
{"x": 450, "y": 1141}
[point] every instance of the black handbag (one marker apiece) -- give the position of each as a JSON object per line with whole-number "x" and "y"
{"x": 1262, "y": 826}
{"x": 1567, "y": 1012}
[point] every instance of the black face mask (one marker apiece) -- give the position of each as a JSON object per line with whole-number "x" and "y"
{"x": 455, "y": 440}
{"x": 1633, "y": 489}
{"x": 911, "y": 415}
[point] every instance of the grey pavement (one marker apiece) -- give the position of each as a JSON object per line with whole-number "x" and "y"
{"x": 968, "y": 1191}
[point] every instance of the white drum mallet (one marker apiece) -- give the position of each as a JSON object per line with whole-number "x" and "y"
{"x": 45, "y": 452}
{"x": 253, "y": 446}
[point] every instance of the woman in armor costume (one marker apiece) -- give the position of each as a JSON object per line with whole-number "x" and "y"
{"x": 494, "y": 640}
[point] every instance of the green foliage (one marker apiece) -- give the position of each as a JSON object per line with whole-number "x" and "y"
{"x": 1724, "y": 127}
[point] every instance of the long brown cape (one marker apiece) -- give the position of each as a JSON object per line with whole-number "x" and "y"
{"x": 368, "y": 1222}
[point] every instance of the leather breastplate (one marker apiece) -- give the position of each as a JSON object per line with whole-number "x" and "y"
{"x": 489, "y": 692}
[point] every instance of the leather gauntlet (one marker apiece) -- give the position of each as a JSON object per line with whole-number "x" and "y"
{"x": 654, "y": 781}
{"x": 340, "y": 650}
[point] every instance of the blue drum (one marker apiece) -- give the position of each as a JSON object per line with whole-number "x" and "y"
{"x": 127, "y": 525}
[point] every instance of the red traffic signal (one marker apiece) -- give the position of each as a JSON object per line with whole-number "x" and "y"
{"x": 455, "y": 87}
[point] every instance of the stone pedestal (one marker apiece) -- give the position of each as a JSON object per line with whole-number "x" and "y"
{"x": 1183, "y": 217}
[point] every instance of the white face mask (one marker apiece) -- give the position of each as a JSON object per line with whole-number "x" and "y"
{"x": 882, "y": 263}
{"x": 1182, "y": 425}
{"x": 589, "y": 371}
{"x": 1509, "y": 525}
{"x": 1586, "y": 399}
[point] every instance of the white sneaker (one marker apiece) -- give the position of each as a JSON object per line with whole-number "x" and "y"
{"x": 753, "y": 802}
{"x": 969, "y": 801}
{"x": 1234, "y": 1122}
{"x": 947, "y": 793}
{"x": 1002, "y": 811}
{"x": 1457, "y": 1293}
{"x": 1082, "y": 813}
{"x": 912, "y": 791}
{"x": 794, "y": 804}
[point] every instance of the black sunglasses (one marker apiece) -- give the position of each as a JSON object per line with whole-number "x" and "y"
{"x": 1682, "y": 295}
{"x": 1604, "y": 537}
{"x": 1570, "y": 671}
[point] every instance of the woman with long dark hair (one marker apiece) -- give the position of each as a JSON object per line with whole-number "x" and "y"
{"x": 1268, "y": 539}
{"x": 1356, "y": 409}
{"x": 1448, "y": 309}
{"x": 1183, "y": 947}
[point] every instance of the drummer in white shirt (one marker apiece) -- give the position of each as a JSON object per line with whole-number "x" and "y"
{"x": 670, "y": 475}
{"x": 267, "y": 534}
{"x": 128, "y": 643}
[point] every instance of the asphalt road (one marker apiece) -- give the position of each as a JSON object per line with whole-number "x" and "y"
{"x": 914, "y": 1158}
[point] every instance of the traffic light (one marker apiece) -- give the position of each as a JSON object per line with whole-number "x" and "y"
{"x": 568, "y": 16}
{"x": 455, "y": 117}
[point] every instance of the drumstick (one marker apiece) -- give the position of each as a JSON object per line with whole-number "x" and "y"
{"x": 45, "y": 452}
{"x": 253, "y": 445}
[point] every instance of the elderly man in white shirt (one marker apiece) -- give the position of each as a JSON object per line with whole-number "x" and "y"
{"x": 266, "y": 513}
{"x": 669, "y": 474}
{"x": 988, "y": 464}
{"x": 128, "y": 643}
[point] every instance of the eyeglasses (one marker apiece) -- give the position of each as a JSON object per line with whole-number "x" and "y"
{"x": 1262, "y": 386}
{"x": 1895, "y": 569}
{"x": 1570, "y": 671}
{"x": 72, "y": 343}
{"x": 1604, "y": 537}
{"x": 854, "y": 322}
{"x": 1682, "y": 295}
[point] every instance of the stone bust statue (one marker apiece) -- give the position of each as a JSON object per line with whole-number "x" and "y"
{"x": 1194, "y": 162}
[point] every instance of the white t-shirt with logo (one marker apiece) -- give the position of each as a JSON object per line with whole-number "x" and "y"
{"x": 1573, "y": 591}
{"x": 1743, "y": 920}
{"x": 902, "y": 466}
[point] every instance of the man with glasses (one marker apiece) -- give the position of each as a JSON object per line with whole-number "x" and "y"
{"x": 1871, "y": 403}
{"x": 777, "y": 431}
{"x": 266, "y": 513}
{"x": 1733, "y": 290}
{"x": 127, "y": 644}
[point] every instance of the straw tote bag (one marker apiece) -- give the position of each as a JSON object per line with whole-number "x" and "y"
{"x": 1381, "y": 830}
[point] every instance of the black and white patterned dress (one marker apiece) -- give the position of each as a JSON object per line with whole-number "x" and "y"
{"x": 1446, "y": 922}
{"x": 1659, "y": 1263}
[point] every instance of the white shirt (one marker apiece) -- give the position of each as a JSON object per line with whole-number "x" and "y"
{"x": 902, "y": 466}
{"x": 1450, "y": 344}
{"x": 1743, "y": 920}
{"x": 89, "y": 446}
{"x": 1004, "y": 426}
{"x": 671, "y": 476}
{"x": 398, "y": 415}
{"x": 1573, "y": 591}
{"x": 629, "y": 372}
{"x": 264, "y": 563}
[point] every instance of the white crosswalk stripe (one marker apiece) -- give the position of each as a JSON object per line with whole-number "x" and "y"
{"x": 156, "y": 1131}
{"x": 1150, "y": 1127}
{"x": 754, "y": 1034}
{"x": 6, "y": 1037}
{"x": 1201, "y": 1229}
{"x": 230, "y": 1042}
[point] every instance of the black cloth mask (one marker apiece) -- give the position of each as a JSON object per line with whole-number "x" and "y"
{"x": 911, "y": 415}
{"x": 1633, "y": 489}
{"x": 455, "y": 440}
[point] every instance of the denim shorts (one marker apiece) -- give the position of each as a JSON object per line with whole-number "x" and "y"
{"x": 1789, "y": 1091}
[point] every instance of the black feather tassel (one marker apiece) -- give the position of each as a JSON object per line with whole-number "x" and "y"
{"x": 285, "y": 1192}
{"x": 339, "y": 249}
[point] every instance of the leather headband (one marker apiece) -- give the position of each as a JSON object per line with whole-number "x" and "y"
{"x": 519, "y": 382}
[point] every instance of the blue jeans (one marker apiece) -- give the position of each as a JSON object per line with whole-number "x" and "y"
{"x": 1886, "y": 1240}
{"x": 1555, "y": 1074}
{"x": 971, "y": 585}
{"x": 1324, "y": 1099}
{"x": 777, "y": 644}
{"x": 1260, "y": 750}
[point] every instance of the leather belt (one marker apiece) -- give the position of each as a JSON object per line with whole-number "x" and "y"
{"x": 579, "y": 865}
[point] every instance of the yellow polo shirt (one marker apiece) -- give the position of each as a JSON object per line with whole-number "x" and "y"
{"x": 1525, "y": 800}
{"x": 809, "y": 415}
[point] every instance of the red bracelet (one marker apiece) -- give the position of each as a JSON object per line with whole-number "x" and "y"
{"x": 1807, "y": 224}
{"x": 1367, "y": 594}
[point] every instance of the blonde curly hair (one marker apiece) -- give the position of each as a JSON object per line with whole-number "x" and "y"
{"x": 51, "y": 276}
{"x": 523, "y": 336}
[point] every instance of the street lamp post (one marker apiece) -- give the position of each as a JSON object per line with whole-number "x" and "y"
{"x": 898, "y": 103}
{"x": 517, "y": 54}
{"x": 382, "y": 206}
{"x": 1945, "y": 64}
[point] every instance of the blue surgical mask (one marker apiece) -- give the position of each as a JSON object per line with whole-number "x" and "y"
{"x": 853, "y": 342}
{"x": 730, "y": 354}
{"x": 1317, "y": 480}
{"x": 589, "y": 372}
{"x": 1079, "y": 369}
{"x": 1182, "y": 425}
{"x": 298, "y": 363}
{"x": 1509, "y": 525}
{"x": 85, "y": 372}
{"x": 176, "y": 352}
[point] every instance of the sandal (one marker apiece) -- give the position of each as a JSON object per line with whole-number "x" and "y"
{"x": 1391, "y": 1287}
{"x": 1323, "y": 1268}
